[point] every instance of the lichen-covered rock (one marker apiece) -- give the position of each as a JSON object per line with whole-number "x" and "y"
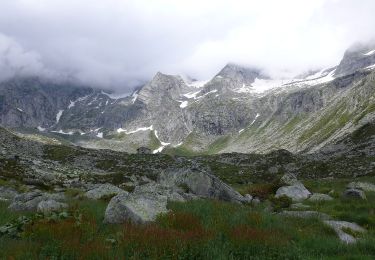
{"x": 47, "y": 206}
{"x": 7, "y": 193}
{"x": 103, "y": 191}
{"x": 365, "y": 186}
{"x": 29, "y": 201}
{"x": 339, "y": 227}
{"x": 135, "y": 207}
{"x": 200, "y": 183}
{"x": 296, "y": 192}
{"x": 354, "y": 193}
{"x": 26, "y": 201}
{"x": 320, "y": 197}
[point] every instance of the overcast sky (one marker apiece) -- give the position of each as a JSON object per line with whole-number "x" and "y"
{"x": 115, "y": 43}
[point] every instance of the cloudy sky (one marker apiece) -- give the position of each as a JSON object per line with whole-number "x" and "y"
{"x": 118, "y": 44}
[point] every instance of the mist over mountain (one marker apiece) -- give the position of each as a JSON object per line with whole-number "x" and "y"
{"x": 122, "y": 44}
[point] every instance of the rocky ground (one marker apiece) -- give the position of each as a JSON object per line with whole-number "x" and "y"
{"x": 235, "y": 204}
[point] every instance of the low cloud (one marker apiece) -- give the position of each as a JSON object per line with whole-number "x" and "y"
{"x": 121, "y": 44}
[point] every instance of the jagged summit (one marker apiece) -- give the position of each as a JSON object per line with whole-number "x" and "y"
{"x": 359, "y": 56}
{"x": 243, "y": 74}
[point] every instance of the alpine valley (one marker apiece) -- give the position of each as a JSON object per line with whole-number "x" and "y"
{"x": 242, "y": 166}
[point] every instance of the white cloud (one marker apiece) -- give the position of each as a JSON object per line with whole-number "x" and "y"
{"x": 121, "y": 43}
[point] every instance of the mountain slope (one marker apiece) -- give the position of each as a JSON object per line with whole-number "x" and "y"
{"x": 239, "y": 110}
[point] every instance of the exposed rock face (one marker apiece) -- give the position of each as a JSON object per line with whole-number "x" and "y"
{"x": 224, "y": 115}
{"x": 296, "y": 192}
{"x": 320, "y": 197}
{"x": 47, "y": 206}
{"x": 355, "y": 58}
{"x": 103, "y": 191}
{"x": 338, "y": 226}
{"x": 47, "y": 98}
{"x": 355, "y": 194}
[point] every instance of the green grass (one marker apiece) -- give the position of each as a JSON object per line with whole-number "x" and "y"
{"x": 200, "y": 229}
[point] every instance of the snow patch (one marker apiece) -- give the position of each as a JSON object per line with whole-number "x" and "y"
{"x": 370, "y": 67}
{"x": 159, "y": 150}
{"x": 177, "y": 145}
{"x": 135, "y": 96}
{"x": 369, "y": 53}
{"x": 63, "y": 133}
{"x": 209, "y": 92}
{"x": 257, "y": 115}
{"x": 100, "y": 135}
{"x": 241, "y": 131}
{"x": 262, "y": 85}
{"x": 41, "y": 129}
{"x": 192, "y": 94}
{"x": 163, "y": 144}
{"x": 58, "y": 115}
{"x": 72, "y": 104}
{"x": 183, "y": 104}
{"x": 121, "y": 130}
{"x": 19, "y": 109}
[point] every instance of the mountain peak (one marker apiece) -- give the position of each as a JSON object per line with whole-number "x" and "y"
{"x": 245, "y": 75}
{"x": 358, "y": 56}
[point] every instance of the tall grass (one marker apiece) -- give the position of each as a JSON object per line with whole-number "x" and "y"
{"x": 198, "y": 229}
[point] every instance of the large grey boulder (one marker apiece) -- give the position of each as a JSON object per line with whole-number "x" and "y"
{"x": 47, "y": 206}
{"x": 320, "y": 197}
{"x": 200, "y": 183}
{"x": 7, "y": 193}
{"x": 135, "y": 207}
{"x": 339, "y": 227}
{"x": 354, "y": 193}
{"x": 103, "y": 191}
{"x": 296, "y": 192}
{"x": 365, "y": 186}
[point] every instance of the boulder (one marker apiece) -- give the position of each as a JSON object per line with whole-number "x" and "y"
{"x": 200, "y": 183}
{"x": 354, "y": 193}
{"x": 7, "y": 193}
{"x": 289, "y": 179}
{"x": 365, "y": 186}
{"x": 299, "y": 205}
{"x": 135, "y": 207}
{"x": 103, "y": 191}
{"x": 248, "y": 198}
{"x": 320, "y": 197}
{"x": 296, "y": 192}
{"x": 29, "y": 201}
{"x": 47, "y": 206}
{"x": 338, "y": 226}
{"x": 26, "y": 201}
